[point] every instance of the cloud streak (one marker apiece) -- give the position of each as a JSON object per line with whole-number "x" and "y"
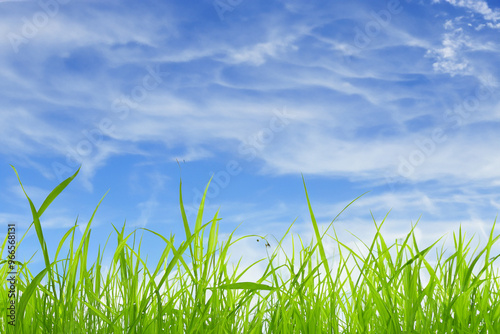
{"x": 412, "y": 113}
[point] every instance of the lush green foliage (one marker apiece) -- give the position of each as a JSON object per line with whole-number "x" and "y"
{"x": 192, "y": 288}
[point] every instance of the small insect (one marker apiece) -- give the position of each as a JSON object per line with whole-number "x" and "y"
{"x": 267, "y": 243}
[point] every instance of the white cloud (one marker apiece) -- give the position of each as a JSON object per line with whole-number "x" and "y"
{"x": 257, "y": 54}
{"x": 320, "y": 139}
{"x": 449, "y": 57}
{"x": 478, "y": 6}
{"x": 455, "y": 55}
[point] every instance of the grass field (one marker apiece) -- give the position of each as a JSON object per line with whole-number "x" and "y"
{"x": 392, "y": 288}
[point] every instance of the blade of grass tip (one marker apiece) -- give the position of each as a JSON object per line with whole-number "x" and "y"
{"x": 316, "y": 232}
{"x": 345, "y": 208}
{"x": 90, "y": 220}
{"x": 487, "y": 263}
{"x": 198, "y": 242}
{"x": 367, "y": 263}
{"x": 54, "y": 193}
{"x": 186, "y": 224}
{"x": 183, "y": 212}
{"x": 70, "y": 276}
{"x": 490, "y": 240}
{"x": 63, "y": 239}
{"x": 163, "y": 257}
{"x": 212, "y": 237}
{"x": 404, "y": 245}
{"x": 420, "y": 254}
{"x": 280, "y": 242}
{"x": 74, "y": 263}
{"x": 304, "y": 265}
{"x": 48, "y": 200}
{"x": 98, "y": 269}
{"x": 212, "y": 243}
{"x": 120, "y": 253}
{"x": 177, "y": 253}
{"x": 38, "y": 228}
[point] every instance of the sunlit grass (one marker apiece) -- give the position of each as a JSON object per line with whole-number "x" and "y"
{"x": 194, "y": 289}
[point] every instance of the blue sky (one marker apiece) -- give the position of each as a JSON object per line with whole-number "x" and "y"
{"x": 399, "y": 98}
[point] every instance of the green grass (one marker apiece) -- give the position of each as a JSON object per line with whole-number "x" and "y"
{"x": 194, "y": 289}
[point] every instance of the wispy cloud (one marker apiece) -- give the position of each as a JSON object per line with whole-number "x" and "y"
{"x": 480, "y": 7}
{"x": 412, "y": 113}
